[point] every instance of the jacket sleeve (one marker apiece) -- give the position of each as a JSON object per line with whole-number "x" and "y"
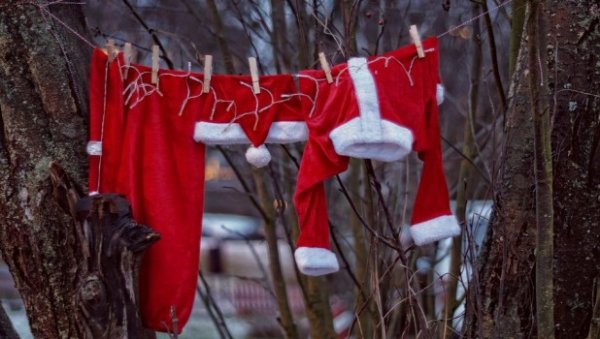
{"x": 432, "y": 219}
{"x": 319, "y": 162}
{"x": 313, "y": 255}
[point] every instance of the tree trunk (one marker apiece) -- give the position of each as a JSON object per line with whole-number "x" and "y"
{"x": 573, "y": 52}
{"x": 279, "y": 33}
{"x": 7, "y": 331}
{"x": 464, "y": 174}
{"x": 350, "y": 19}
{"x": 544, "y": 214}
{"x": 112, "y": 245}
{"x": 76, "y": 279}
{"x": 505, "y": 299}
{"x": 42, "y": 119}
{"x": 500, "y": 307}
{"x": 219, "y": 30}
{"x": 285, "y": 317}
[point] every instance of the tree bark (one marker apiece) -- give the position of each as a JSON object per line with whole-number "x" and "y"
{"x": 76, "y": 279}
{"x": 279, "y": 33}
{"x": 350, "y": 10}
{"x": 544, "y": 214}
{"x": 219, "y": 30}
{"x": 501, "y": 303}
{"x": 366, "y": 318}
{"x": 42, "y": 118}
{"x": 506, "y": 269}
{"x": 573, "y": 47}
{"x": 7, "y": 330}
{"x": 112, "y": 246}
{"x": 517, "y": 22}
{"x": 285, "y": 318}
{"x": 494, "y": 55}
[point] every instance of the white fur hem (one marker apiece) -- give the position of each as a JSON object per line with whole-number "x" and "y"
{"x": 280, "y": 132}
{"x": 94, "y": 147}
{"x": 394, "y": 143}
{"x": 434, "y": 229}
{"x": 283, "y": 132}
{"x": 211, "y": 133}
{"x": 316, "y": 261}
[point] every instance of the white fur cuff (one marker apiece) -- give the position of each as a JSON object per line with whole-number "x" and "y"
{"x": 94, "y": 147}
{"x": 394, "y": 143}
{"x": 283, "y": 132}
{"x": 211, "y": 133}
{"x": 439, "y": 94}
{"x": 316, "y": 261}
{"x": 434, "y": 229}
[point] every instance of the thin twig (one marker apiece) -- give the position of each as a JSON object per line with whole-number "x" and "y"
{"x": 217, "y": 309}
{"x": 152, "y": 32}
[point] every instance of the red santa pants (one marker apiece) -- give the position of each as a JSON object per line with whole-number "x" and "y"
{"x": 141, "y": 146}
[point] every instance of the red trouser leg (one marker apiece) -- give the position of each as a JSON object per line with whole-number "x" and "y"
{"x": 149, "y": 156}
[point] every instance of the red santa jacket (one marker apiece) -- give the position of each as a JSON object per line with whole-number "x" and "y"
{"x": 381, "y": 108}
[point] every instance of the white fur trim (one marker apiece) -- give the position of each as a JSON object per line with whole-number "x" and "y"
{"x": 282, "y": 132}
{"x": 258, "y": 156}
{"x": 394, "y": 142}
{"x": 368, "y": 136}
{"x": 316, "y": 261}
{"x": 94, "y": 148}
{"x": 92, "y": 193}
{"x": 366, "y": 96}
{"x": 435, "y": 229}
{"x": 439, "y": 93}
{"x": 211, "y": 133}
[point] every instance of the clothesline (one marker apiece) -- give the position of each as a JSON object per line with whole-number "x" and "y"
{"x": 43, "y": 8}
{"x": 477, "y": 17}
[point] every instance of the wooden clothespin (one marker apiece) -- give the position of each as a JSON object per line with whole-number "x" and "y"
{"x": 127, "y": 56}
{"x": 111, "y": 50}
{"x": 414, "y": 34}
{"x": 207, "y": 73}
{"x": 325, "y": 67}
{"x": 254, "y": 75}
{"x": 155, "y": 59}
{"x": 127, "y": 53}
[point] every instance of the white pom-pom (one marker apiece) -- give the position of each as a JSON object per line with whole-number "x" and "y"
{"x": 439, "y": 94}
{"x": 258, "y": 156}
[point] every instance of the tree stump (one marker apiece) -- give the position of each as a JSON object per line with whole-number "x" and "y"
{"x": 111, "y": 244}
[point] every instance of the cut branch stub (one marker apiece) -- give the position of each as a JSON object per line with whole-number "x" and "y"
{"x": 112, "y": 245}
